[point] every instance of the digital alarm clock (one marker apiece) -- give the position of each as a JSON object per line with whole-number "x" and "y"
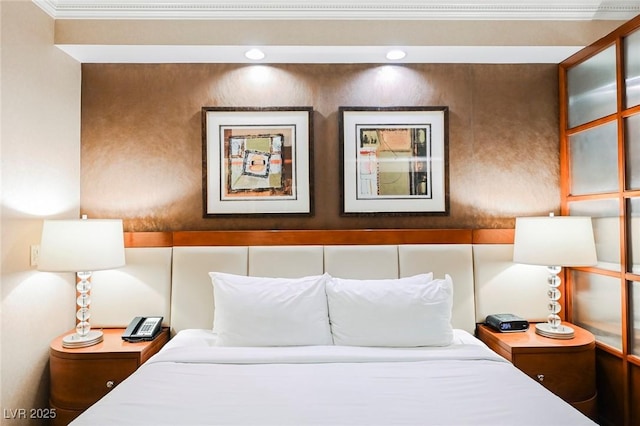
{"x": 507, "y": 323}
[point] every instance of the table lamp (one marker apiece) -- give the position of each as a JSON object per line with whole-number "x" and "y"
{"x": 554, "y": 241}
{"x": 81, "y": 246}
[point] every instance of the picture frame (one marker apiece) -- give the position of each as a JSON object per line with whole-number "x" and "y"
{"x": 394, "y": 160}
{"x": 257, "y": 161}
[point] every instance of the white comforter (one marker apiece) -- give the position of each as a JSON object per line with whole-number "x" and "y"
{"x": 192, "y": 382}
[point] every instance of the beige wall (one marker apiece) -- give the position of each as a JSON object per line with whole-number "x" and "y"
{"x": 40, "y": 178}
{"x": 142, "y": 140}
{"x": 330, "y": 32}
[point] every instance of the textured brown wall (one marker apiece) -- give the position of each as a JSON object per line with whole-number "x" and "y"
{"x": 142, "y": 142}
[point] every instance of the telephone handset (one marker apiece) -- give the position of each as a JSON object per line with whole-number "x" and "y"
{"x": 142, "y": 329}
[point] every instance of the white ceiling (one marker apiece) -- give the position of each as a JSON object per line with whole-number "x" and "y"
{"x": 331, "y": 10}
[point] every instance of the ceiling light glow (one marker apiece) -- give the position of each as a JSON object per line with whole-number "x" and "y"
{"x": 254, "y": 54}
{"x": 396, "y": 54}
{"x": 259, "y": 74}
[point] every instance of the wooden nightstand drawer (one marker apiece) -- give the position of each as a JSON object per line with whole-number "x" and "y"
{"x": 95, "y": 377}
{"x": 81, "y": 376}
{"x": 571, "y": 376}
{"x": 565, "y": 367}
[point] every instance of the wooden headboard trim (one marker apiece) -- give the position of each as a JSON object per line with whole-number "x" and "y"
{"x": 148, "y": 239}
{"x": 319, "y": 237}
{"x": 493, "y": 236}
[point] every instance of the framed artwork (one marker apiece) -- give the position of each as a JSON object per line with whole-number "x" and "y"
{"x": 394, "y": 160}
{"x": 257, "y": 160}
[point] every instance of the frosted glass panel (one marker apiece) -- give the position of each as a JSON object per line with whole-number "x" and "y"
{"x": 632, "y": 144}
{"x": 591, "y": 86}
{"x": 594, "y": 160}
{"x": 605, "y": 216}
{"x": 596, "y": 306}
{"x": 632, "y": 68}
{"x": 635, "y": 312}
{"x": 634, "y": 235}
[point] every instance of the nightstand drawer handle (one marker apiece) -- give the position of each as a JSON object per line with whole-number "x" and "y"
{"x": 540, "y": 377}
{"x": 110, "y": 384}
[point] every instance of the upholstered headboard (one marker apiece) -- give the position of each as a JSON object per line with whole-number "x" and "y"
{"x": 173, "y": 280}
{"x": 192, "y": 297}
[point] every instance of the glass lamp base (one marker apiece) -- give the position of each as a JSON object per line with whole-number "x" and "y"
{"x": 560, "y": 332}
{"x": 77, "y": 341}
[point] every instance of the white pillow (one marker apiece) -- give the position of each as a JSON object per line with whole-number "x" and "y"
{"x": 397, "y": 313}
{"x": 255, "y": 311}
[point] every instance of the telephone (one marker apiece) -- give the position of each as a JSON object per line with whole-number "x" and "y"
{"x": 142, "y": 328}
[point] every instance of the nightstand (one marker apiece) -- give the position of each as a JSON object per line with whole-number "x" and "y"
{"x": 565, "y": 367}
{"x": 80, "y": 377}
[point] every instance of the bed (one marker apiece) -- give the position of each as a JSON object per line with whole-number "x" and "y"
{"x": 193, "y": 382}
{"x": 328, "y": 335}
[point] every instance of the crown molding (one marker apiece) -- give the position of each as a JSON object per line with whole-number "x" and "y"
{"x": 343, "y": 9}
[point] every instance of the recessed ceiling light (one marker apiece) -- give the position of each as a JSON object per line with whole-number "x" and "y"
{"x": 254, "y": 54}
{"x": 396, "y": 54}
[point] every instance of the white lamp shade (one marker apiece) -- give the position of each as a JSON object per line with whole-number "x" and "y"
{"x": 81, "y": 245}
{"x": 554, "y": 241}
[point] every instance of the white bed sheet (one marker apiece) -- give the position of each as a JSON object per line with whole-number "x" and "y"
{"x": 193, "y": 382}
